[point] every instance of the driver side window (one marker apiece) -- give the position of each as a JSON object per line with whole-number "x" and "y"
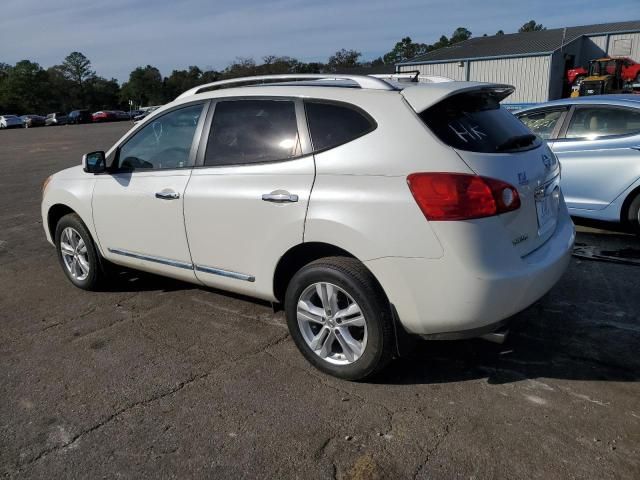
{"x": 165, "y": 143}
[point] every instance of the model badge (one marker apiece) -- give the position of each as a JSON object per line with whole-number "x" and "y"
{"x": 520, "y": 239}
{"x": 522, "y": 178}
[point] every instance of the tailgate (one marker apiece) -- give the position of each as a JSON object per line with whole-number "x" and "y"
{"x": 494, "y": 143}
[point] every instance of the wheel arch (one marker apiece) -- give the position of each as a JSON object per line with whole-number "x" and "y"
{"x": 297, "y": 257}
{"x": 54, "y": 214}
{"x": 624, "y": 211}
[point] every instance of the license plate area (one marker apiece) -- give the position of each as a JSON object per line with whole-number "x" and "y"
{"x": 547, "y": 202}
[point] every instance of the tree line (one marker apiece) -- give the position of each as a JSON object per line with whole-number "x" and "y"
{"x": 26, "y": 87}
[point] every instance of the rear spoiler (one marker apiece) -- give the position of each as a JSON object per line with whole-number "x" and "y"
{"x": 421, "y": 97}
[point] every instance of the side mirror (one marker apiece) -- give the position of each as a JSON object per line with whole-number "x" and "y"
{"x": 94, "y": 162}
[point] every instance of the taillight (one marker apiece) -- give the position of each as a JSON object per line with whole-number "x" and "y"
{"x": 460, "y": 196}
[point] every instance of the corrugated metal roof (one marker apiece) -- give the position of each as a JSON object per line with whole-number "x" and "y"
{"x": 520, "y": 44}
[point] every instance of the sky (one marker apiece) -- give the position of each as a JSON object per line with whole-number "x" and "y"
{"x": 119, "y": 35}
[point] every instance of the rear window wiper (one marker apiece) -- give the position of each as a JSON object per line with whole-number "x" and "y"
{"x": 518, "y": 141}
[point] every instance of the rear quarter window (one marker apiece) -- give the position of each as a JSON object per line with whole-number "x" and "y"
{"x": 333, "y": 124}
{"x": 476, "y": 122}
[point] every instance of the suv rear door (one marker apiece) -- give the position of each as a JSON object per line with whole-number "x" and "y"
{"x": 246, "y": 201}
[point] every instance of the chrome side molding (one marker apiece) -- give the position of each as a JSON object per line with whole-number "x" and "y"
{"x": 225, "y": 273}
{"x": 150, "y": 258}
{"x": 185, "y": 265}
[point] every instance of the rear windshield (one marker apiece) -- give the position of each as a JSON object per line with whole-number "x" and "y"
{"x": 475, "y": 122}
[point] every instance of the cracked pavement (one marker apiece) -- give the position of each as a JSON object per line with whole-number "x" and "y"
{"x": 161, "y": 379}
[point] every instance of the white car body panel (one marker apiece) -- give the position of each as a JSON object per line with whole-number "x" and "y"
{"x": 440, "y": 276}
{"x": 129, "y": 220}
{"x": 232, "y": 229}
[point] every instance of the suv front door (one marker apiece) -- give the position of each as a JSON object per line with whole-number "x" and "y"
{"x": 246, "y": 202}
{"x": 138, "y": 206}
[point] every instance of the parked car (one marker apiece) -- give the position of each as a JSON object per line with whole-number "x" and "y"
{"x": 103, "y": 116}
{"x": 79, "y": 116}
{"x": 145, "y": 113}
{"x": 121, "y": 115}
{"x": 10, "y": 121}
{"x": 367, "y": 212}
{"x": 597, "y": 140}
{"x": 29, "y": 121}
{"x": 57, "y": 118}
{"x": 630, "y": 71}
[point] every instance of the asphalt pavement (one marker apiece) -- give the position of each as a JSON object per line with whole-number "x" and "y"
{"x": 160, "y": 379}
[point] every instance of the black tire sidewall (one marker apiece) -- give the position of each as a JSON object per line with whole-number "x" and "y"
{"x": 92, "y": 280}
{"x": 364, "y": 295}
{"x": 632, "y": 214}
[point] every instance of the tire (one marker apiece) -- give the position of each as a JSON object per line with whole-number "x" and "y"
{"x": 368, "y": 324}
{"x": 88, "y": 272}
{"x": 633, "y": 215}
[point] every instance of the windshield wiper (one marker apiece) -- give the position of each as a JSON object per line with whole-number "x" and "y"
{"x": 519, "y": 141}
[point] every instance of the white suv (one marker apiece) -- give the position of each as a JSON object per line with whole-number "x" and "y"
{"x": 368, "y": 207}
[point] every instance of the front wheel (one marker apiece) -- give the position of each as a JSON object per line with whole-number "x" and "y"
{"x": 339, "y": 318}
{"x": 78, "y": 254}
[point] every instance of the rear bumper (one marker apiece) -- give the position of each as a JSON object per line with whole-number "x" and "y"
{"x": 476, "y": 284}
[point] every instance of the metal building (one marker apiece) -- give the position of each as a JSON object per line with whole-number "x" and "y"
{"x": 534, "y": 62}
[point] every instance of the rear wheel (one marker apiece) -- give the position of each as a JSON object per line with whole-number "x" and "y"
{"x": 633, "y": 214}
{"x": 78, "y": 254}
{"x": 339, "y": 318}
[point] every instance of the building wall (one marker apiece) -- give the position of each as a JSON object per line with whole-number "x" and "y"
{"x": 530, "y": 76}
{"x": 451, "y": 70}
{"x": 625, "y": 45}
{"x": 592, "y": 47}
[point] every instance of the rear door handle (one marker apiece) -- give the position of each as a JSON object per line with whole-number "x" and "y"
{"x": 167, "y": 195}
{"x": 280, "y": 197}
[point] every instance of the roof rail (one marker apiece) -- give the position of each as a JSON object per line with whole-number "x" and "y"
{"x": 363, "y": 81}
{"x": 413, "y": 77}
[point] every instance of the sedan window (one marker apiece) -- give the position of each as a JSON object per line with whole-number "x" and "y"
{"x": 163, "y": 143}
{"x": 542, "y": 123}
{"x": 594, "y": 122}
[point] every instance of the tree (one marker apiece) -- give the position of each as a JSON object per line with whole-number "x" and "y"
{"x": 24, "y": 88}
{"x": 460, "y": 34}
{"x": 405, "y": 49}
{"x": 144, "y": 87}
{"x": 343, "y": 59}
{"x": 500, "y": 32}
{"x": 531, "y": 26}
{"x": 77, "y": 68}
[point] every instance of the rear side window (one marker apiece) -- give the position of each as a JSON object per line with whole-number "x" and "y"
{"x": 594, "y": 122}
{"x": 476, "y": 122}
{"x": 252, "y": 131}
{"x": 332, "y": 124}
{"x": 542, "y": 123}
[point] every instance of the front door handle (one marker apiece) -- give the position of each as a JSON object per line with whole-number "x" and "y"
{"x": 280, "y": 196}
{"x": 167, "y": 195}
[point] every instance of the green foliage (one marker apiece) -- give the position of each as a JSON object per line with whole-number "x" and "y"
{"x": 343, "y": 59}
{"x": 531, "y": 26}
{"x": 404, "y": 50}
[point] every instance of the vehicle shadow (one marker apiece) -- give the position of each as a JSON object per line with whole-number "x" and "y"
{"x": 540, "y": 345}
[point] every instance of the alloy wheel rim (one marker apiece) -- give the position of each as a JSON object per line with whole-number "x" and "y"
{"x": 74, "y": 254}
{"x": 332, "y": 323}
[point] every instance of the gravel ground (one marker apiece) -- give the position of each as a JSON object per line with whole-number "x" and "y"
{"x": 160, "y": 379}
